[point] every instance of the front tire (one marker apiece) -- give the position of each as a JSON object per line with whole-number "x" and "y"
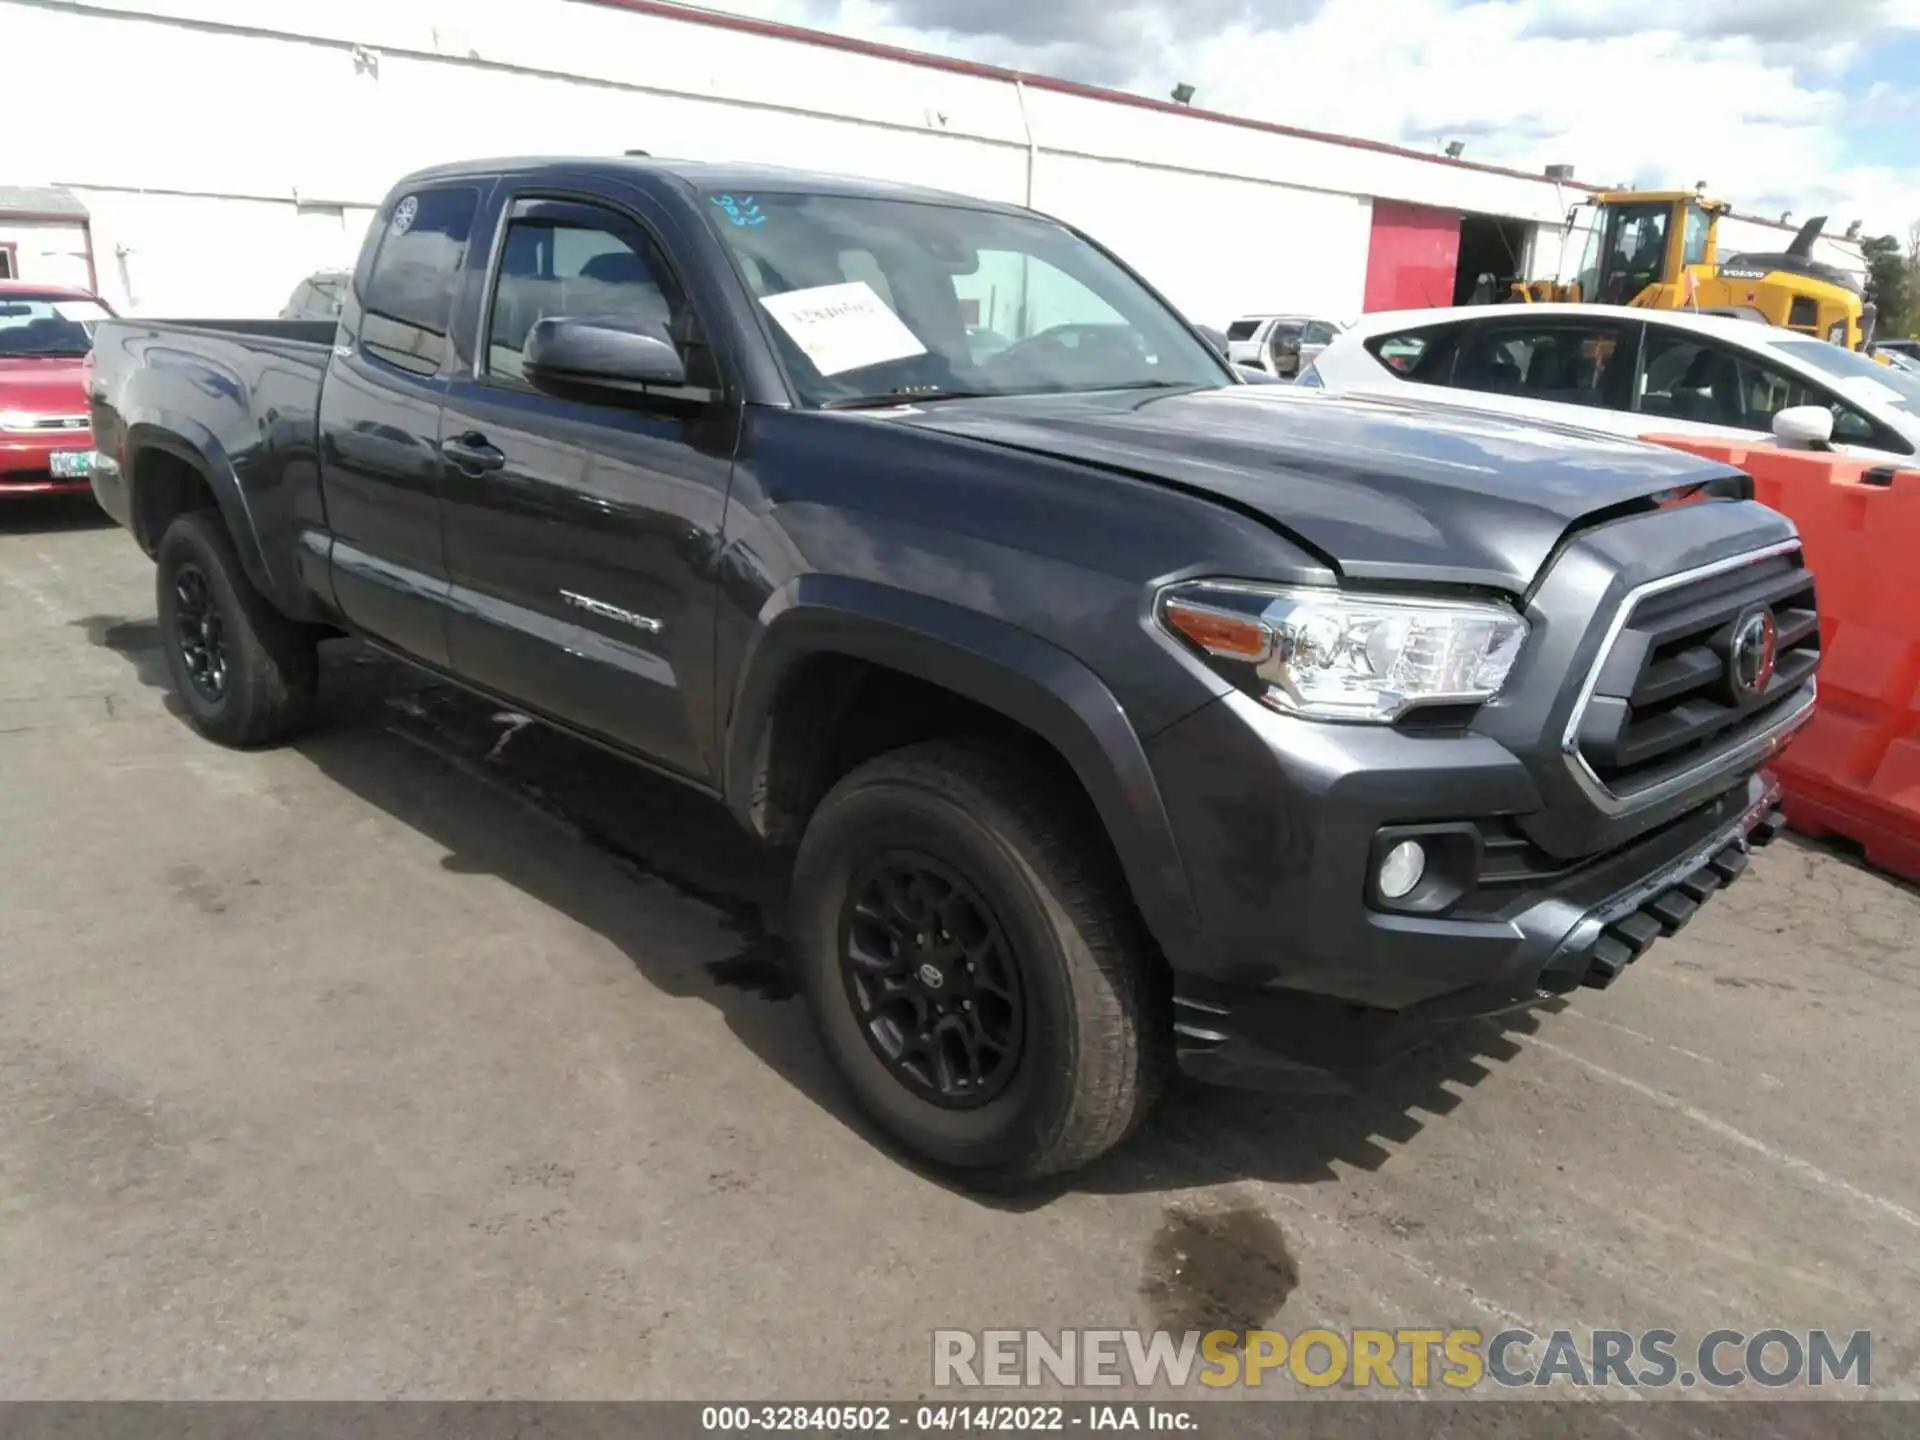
{"x": 244, "y": 672}
{"x": 973, "y": 964}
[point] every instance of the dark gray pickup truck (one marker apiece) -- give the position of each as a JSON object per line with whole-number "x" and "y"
{"x": 1117, "y": 712}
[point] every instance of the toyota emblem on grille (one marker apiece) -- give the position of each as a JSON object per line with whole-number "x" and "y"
{"x": 1750, "y": 658}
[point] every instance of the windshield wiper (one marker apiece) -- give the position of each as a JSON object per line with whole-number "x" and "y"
{"x": 904, "y": 397}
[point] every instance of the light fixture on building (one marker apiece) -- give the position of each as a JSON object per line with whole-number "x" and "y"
{"x": 1183, "y": 94}
{"x": 1786, "y": 217}
{"x": 1853, "y": 229}
{"x": 1454, "y": 148}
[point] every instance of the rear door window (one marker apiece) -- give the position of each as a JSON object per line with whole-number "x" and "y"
{"x": 1567, "y": 364}
{"x": 410, "y": 288}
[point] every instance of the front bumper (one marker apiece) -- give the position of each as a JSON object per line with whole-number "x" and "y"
{"x": 1294, "y": 966}
{"x": 26, "y": 462}
{"x": 1269, "y": 1039}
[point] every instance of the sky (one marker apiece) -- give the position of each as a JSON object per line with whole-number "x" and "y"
{"x": 1809, "y": 106}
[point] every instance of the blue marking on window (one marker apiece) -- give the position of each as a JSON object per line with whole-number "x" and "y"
{"x": 743, "y": 212}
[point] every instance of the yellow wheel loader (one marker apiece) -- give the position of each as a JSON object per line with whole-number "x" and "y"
{"x": 1659, "y": 250}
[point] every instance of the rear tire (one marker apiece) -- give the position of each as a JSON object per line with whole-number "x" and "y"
{"x": 1009, "y": 885}
{"x": 246, "y": 674}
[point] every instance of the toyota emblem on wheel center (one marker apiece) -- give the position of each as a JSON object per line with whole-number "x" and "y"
{"x": 1750, "y": 658}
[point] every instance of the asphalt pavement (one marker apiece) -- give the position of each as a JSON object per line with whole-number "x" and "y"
{"x": 438, "y": 1055}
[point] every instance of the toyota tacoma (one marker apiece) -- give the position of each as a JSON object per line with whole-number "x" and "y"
{"x": 1118, "y": 714}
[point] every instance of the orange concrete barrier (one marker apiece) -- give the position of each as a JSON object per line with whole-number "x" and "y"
{"x": 1855, "y": 769}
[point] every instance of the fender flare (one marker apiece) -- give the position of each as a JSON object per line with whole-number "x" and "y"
{"x": 1005, "y": 669}
{"x": 187, "y": 440}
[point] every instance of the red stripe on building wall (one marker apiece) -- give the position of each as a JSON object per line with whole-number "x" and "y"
{"x": 1411, "y": 257}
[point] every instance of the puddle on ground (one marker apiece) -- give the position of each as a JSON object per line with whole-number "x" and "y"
{"x": 763, "y": 964}
{"x": 1218, "y": 1270}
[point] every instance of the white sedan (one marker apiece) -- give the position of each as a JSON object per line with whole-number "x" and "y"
{"x": 1631, "y": 372}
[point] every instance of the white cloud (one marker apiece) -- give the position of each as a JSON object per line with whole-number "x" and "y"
{"x": 1744, "y": 94}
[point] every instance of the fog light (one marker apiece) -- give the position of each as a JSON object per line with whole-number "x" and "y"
{"x": 1402, "y": 869}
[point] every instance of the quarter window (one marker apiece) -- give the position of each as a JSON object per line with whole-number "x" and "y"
{"x": 415, "y": 274}
{"x": 1403, "y": 353}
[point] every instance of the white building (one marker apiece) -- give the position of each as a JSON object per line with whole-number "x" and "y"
{"x": 223, "y": 149}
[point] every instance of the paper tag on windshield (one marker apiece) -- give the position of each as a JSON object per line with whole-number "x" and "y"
{"x": 842, "y": 327}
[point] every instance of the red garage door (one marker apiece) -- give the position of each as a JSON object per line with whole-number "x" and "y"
{"x": 1412, "y": 256}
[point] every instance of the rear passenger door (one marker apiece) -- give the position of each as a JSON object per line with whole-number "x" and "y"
{"x": 581, "y": 536}
{"x": 380, "y": 423}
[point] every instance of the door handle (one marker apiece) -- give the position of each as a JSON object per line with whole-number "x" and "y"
{"x": 472, "y": 453}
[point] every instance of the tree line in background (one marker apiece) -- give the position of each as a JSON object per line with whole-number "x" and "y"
{"x": 1893, "y": 282}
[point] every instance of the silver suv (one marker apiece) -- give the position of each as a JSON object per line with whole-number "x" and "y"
{"x": 1281, "y": 345}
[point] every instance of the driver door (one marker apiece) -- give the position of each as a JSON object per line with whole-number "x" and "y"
{"x": 580, "y": 536}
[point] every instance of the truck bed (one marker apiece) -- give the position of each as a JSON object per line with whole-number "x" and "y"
{"x": 294, "y": 332}
{"x": 228, "y": 376}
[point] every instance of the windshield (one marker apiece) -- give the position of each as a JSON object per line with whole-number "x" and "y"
{"x": 868, "y": 299}
{"x": 47, "y": 325}
{"x": 1625, "y": 252}
{"x": 1856, "y": 372}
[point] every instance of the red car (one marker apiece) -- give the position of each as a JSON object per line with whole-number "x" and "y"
{"x": 46, "y": 437}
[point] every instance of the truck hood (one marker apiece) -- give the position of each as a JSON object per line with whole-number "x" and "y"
{"x": 1382, "y": 489}
{"x": 50, "y": 385}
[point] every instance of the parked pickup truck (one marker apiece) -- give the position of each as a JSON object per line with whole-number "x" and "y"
{"x": 1117, "y": 712}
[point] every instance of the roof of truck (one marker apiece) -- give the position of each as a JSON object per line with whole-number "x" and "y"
{"x": 707, "y": 175}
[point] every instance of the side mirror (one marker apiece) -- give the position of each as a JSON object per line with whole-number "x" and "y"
{"x": 1215, "y": 338}
{"x": 602, "y": 352}
{"x": 1254, "y": 376}
{"x": 1804, "y": 427}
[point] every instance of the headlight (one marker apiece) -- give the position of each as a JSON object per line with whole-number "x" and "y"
{"x": 1336, "y": 655}
{"x": 17, "y": 420}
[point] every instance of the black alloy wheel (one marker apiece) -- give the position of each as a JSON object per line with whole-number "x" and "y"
{"x": 932, "y": 980}
{"x": 200, "y": 631}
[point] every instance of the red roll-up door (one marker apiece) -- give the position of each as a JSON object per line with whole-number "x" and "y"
{"x": 1412, "y": 256}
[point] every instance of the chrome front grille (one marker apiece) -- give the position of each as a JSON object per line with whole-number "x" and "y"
{"x": 1665, "y": 702}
